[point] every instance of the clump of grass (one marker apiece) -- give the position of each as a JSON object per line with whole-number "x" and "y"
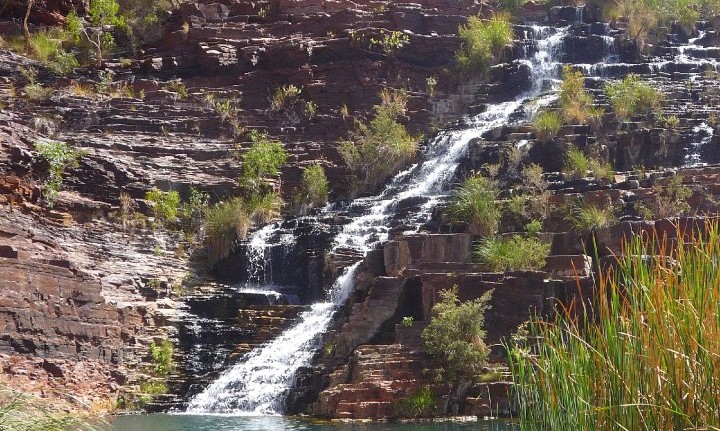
{"x": 669, "y": 200}
{"x": 226, "y": 223}
{"x": 474, "y": 203}
{"x": 23, "y": 412}
{"x": 59, "y": 157}
{"x": 380, "y": 148}
{"x": 512, "y": 254}
{"x": 643, "y": 358}
{"x": 632, "y": 96}
{"x": 575, "y": 102}
{"x": 314, "y": 188}
{"x": 546, "y": 125}
{"x": 35, "y": 92}
{"x": 578, "y": 165}
{"x": 422, "y": 403}
{"x": 587, "y": 217}
{"x": 284, "y": 96}
{"x": 483, "y": 43}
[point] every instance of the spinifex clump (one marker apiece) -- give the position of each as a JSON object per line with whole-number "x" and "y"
{"x": 648, "y": 359}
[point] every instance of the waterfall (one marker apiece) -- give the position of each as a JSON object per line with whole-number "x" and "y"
{"x": 259, "y": 383}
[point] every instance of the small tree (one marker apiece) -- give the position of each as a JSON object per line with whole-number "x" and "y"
{"x": 455, "y": 334}
{"x": 103, "y": 19}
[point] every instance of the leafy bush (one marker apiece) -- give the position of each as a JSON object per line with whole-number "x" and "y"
{"x": 546, "y": 125}
{"x": 162, "y": 357}
{"x": 512, "y": 254}
{"x": 284, "y": 96}
{"x": 474, "y": 203}
{"x": 390, "y": 42}
{"x": 587, "y": 217}
{"x": 455, "y": 334}
{"x": 483, "y": 43}
{"x": 422, "y": 403}
{"x": 165, "y": 204}
{"x": 59, "y": 157}
{"x": 631, "y": 97}
{"x": 194, "y": 209}
{"x": 226, "y": 223}
{"x": 264, "y": 159}
{"x": 381, "y": 148}
{"x": 647, "y": 357}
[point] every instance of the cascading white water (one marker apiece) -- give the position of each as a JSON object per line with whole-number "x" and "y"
{"x": 704, "y": 134}
{"x": 259, "y": 383}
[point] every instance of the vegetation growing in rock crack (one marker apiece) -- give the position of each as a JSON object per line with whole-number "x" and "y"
{"x": 59, "y": 157}
{"x": 585, "y": 216}
{"x": 380, "y": 148}
{"x": 455, "y": 334}
{"x": 515, "y": 253}
{"x": 165, "y": 205}
{"x": 474, "y": 203}
{"x": 261, "y": 161}
{"x": 314, "y": 188}
{"x": 483, "y": 43}
{"x": 631, "y": 96}
{"x": 422, "y": 403}
{"x": 546, "y": 125}
{"x": 577, "y": 165}
{"x": 162, "y": 357}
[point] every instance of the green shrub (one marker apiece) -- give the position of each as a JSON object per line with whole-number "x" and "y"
{"x": 381, "y": 148}
{"x": 587, "y": 217}
{"x": 474, "y": 203}
{"x": 483, "y": 43}
{"x": 193, "y": 211}
{"x": 645, "y": 360}
{"x": 226, "y": 223}
{"x": 162, "y": 357}
{"x": 631, "y": 97}
{"x": 390, "y": 42}
{"x": 533, "y": 180}
{"x": 455, "y": 335}
{"x": 546, "y": 125}
{"x": 165, "y": 204}
{"x": 315, "y": 187}
{"x": 59, "y": 157}
{"x": 264, "y": 159}
{"x": 668, "y": 201}
{"x": 512, "y": 254}
{"x": 285, "y": 96}
{"x": 37, "y": 93}
{"x": 422, "y": 403}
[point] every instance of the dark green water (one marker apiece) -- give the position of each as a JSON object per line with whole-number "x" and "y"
{"x": 270, "y": 423}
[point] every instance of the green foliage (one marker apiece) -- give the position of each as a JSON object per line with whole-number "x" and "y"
{"x": 407, "y": 321}
{"x": 178, "y": 87}
{"x": 586, "y": 217}
{"x": 264, "y": 159}
{"x": 532, "y": 178}
{"x": 390, "y": 42}
{"x": 455, "y": 334}
{"x": 285, "y": 96}
{"x": 310, "y": 109}
{"x": 483, "y": 43}
{"x": 264, "y": 208}
{"x": 577, "y": 165}
{"x": 165, "y": 204}
{"x": 35, "y": 92}
{"x": 645, "y": 359}
{"x": 430, "y": 85}
{"x": 162, "y": 357}
{"x": 46, "y": 46}
{"x": 631, "y": 97}
{"x": 512, "y": 254}
{"x": 668, "y": 201}
{"x": 193, "y": 211}
{"x": 474, "y": 203}
{"x": 226, "y": 223}
{"x": 575, "y": 102}
{"x": 315, "y": 187}
{"x": 59, "y": 157}
{"x": 533, "y": 228}
{"x": 422, "y": 403}
{"x": 513, "y": 6}
{"x": 381, "y": 148}
{"x": 546, "y": 125}
{"x": 24, "y": 412}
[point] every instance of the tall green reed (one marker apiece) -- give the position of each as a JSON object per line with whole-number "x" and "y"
{"x": 644, "y": 356}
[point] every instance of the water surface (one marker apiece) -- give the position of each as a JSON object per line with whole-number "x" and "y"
{"x": 278, "y": 423}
